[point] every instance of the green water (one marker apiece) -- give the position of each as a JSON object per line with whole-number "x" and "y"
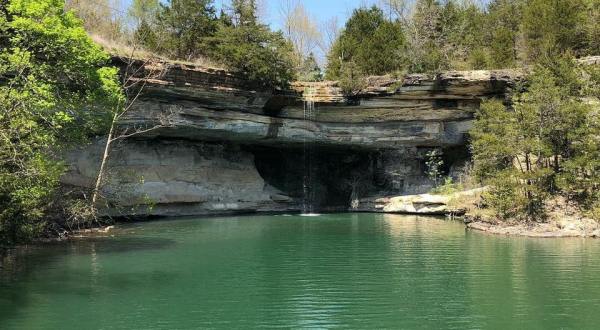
{"x": 343, "y": 270}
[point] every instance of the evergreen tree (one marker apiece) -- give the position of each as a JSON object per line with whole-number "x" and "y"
{"x": 503, "y": 21}
{"x": 371, "y": 42}
{"x": 184, "y": 26}
{"x": 252, "y": 49}
{"x": 310, "y": 70}
{"x": 545, "y": 145}
{"x": 244, "y": 12}
{"x": 591, "y": 27}
{"x": 552, "y": 27}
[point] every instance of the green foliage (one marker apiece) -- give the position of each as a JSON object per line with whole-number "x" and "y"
{"x": 190, "y": 29}
{"x": 371, "y": 42}
{"x": 502, "y": 32}
{"x": 547, "y": 144}
{"x": 448, "y": 187}
{"x": 552, "y": 27}
{"x": 256, "y": 52}
{"x": 460, "y": 35}
{"x": 434, "y": 164}
{"x": 310, "y": 70}
{"x": 183, "y": 26}
{"x": 591, "y": 28}
{"x": 352, "y": 80}
{"x": 54, "y": 92}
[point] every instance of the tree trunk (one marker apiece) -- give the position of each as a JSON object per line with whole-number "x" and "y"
{"x": 103, "y": 163}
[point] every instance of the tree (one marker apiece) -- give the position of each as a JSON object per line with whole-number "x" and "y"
{"x": 100, "y": 17}
{"x": 244, "y": 12}
{"x": 397, "y": 9}
{"x": 185, "y": 26}
{"x": 330, "y": 33}
{"x": 426, "y": 38}
{"x": 300, "y": 30}
{"x": 434, "y": 163}
{"x": 310, "y": 70}
{"x": 250, "y": 48}
{"x": 503, "y": 20}
{"x": 542, "y": 146}
{"x": 144, "y": 11}
{"x": 591, "y": 27}
{"x": 54, "y": 90}
{"x": 371, "y": 42}
{"x": 552, "y": 27}
{"x": 134, "y": 76}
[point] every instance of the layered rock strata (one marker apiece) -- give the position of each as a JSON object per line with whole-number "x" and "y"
{"x": 214, "y": 151}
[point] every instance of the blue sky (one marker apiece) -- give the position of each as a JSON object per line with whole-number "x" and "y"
{"x": 321, "y": 9}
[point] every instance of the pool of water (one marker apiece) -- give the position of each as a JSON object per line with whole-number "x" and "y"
{"x": 328, "y": 271}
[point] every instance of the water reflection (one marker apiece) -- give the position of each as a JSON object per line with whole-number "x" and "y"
{"x": 338, "y": 270}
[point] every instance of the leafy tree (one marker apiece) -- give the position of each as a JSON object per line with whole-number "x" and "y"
{"x": 371, "y": 42}
{"x": 184, "y": 27}
{"x": 252, "y": 49}
{"x": 545, "y": 145}
{"x": 54, "y": 92}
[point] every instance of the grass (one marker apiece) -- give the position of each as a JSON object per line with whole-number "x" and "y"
{"x": 131, "y": 50}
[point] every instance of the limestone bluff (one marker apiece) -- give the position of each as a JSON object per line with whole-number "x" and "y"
{"x": 234, "y": 147}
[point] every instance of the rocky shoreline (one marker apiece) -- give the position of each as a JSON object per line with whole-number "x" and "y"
{"x": 586, "y": 228}
{"x": 563, "y": 220}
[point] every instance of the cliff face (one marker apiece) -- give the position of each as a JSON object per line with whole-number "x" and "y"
{"x": 229, "y": 146}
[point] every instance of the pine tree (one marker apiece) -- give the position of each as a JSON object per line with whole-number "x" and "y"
{"x": 552, "y": 27}
{"x": 252, "y": 49}
{"x": 310, "y": 70}
{"x": 370, "y": 42}
{"x": 503, "y": 22}
{"x": 184, "y": 26}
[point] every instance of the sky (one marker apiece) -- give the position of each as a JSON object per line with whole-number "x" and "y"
{"x": 321, "y": 9}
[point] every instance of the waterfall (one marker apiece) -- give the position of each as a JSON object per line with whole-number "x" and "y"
{"x": 308, "y": 157}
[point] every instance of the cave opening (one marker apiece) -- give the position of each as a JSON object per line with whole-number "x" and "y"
{"x": 339, "y": 176}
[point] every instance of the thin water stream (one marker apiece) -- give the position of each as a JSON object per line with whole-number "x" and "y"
{"x": 308, "y": 201}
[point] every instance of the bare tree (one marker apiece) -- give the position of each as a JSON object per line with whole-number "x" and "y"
{"x": 100, "y": 17}
{"x": 398, "y": 9}
{"x": 299, "y": 28}
{"x": 135, "y": 75}
{"x": 331, "y": 31}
